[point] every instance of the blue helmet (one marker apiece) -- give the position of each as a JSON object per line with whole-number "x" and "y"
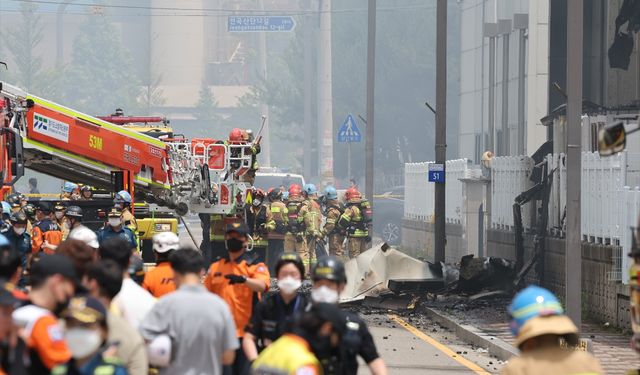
{"x": 285, "y": 195}
{"x": 69, "y": 187}
{"x": 330, "y": 192}
{"x": 123, "y": 196}
{"x": 310, "y": 189}
{"x": 531, "y": 302}
{"x": 6, "y": 208}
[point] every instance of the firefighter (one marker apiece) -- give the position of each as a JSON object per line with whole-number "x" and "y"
{"x": 333, "y": 211}
{"x": 59, "y": 210}
{"x": 86, "y": 193}
{"x": 239, "y": 281}
{"x": 311, "y": 216}
{"x": 353, "y": 222}
{"x": 539, "y": 325}
{"x": 329, "y": 280}
{"x": 256, "y": 218}
{"x": 67, "y": 191}
{"x": 46, "y": 235}
{"x": 277, "y": 223}
{"x": 294, "y": 239}
{"x": 123, "y": 201}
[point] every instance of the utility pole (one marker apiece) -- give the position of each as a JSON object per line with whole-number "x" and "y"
{"x": 371, "y": 80}
{"x": 308, "y": 71}
{"x": 573, "y": 257}
{"x": 325, "y": 99}
{"x": 441, "y": 127}
{"x": 264, "y": 107}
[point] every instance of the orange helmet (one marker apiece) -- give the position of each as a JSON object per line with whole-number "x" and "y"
{"x": 352, "y": 194}
{"x": 236, "y": 135}
{"x": 295, "y": 190}
{"x": 259, "y": 193}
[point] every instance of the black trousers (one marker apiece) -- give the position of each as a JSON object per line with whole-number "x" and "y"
{"x": 240, "y": 366}
{"x": 274, "y": 250}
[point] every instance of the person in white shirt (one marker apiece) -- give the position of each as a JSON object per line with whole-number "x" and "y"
{"x": 133, "y": 302}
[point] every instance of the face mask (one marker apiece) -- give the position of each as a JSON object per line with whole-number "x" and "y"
{"x": 19, "y": 231}
{"x": 324, "y": 294}
{"x": 289, "y": 285}
{"x": 256, "y": 202}
{"x": 83, "y": 342}
{"x": 59, "y": 215}
{"x": 234, "y": 245}
{"x": 114, "y": 221}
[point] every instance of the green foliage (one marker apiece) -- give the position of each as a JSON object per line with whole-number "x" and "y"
{"x": 101, "y": 76}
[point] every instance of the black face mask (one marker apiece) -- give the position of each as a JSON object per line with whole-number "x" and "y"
{"x": 234, "y": 245}
{"x": 60, "y": 307}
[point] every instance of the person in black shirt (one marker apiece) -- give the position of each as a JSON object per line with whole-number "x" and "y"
{"x": 329, "y": 280}
{"x": 272, "y": 316}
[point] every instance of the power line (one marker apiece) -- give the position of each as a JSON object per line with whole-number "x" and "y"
{"x": 207, "y": 12}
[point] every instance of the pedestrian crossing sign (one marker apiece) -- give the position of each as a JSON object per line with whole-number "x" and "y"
{"x": 349, "y": 132}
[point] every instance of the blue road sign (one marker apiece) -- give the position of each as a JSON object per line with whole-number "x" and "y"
{"x": 436, "y": 173}
{"x": 349, "y": 132}
{"x": 249, "y": 24}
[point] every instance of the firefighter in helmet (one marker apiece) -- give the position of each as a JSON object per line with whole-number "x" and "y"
{"x": 353, "y": 222}
{"x": 310, "y": 215}
{"x": 256, "y": 217}
{"x": 294, "y": 239}
{"x": 541, "y": 328}
{"x": 277, "y": 223}
{"x": 123, "y": 200}
{"x": 333, "y": 212}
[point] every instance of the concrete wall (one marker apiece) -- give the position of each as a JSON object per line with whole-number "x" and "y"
{"x": 602, "y": 299}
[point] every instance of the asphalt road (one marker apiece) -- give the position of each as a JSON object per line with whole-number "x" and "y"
{"x": 408, "y": 346}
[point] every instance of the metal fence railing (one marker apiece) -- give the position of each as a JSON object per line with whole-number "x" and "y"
{"x": 509, "y": 178}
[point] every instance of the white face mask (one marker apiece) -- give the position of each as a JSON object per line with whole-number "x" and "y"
{"x": 82, "y": 342}
{"x": 19, "y": 231}
{"x": 59, "y": 215}
{"x": 289, "y": 285}
{"x": 114, "y": 221}
{"x": 324, "y": 294}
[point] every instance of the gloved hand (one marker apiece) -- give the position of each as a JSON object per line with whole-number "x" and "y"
{"x": 236, "y": 279}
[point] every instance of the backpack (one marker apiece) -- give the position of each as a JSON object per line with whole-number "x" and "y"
{"x": 365, "y": 211}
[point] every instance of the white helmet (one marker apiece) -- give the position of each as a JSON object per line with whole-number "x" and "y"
{"x": 165, "y": 241}
{"x": 159, "y": 351}
{"x": 85, "y": 235}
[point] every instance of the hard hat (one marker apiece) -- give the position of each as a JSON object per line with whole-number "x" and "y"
{"x": 122, "y": 196}
{"x": 290, "y": 257}
{"x": 295, "y": 190}
{"x": 85, "y": 235}
{"x": 14, "y": 199}
{"x": 532, "y": 303}
{"x": 6, "y": 208}
{"x": 59, "y": 206}
{"x": 236, "y": 135}
{"x": 159, "y": 351}
{"x": 285, "y": 195}
{"x": 165, "y": 241}
{"x": 74, "y": 211}
{"x": 329, "y": 268}
{"x": 44, "y": 206}
{"x": 259, "y": 193}
{"x": 330, "y": 192}
{"x": 18, "y": 217}
{"x": 30, "y": 210}
{"x": 274, "y": 194}
{"x": 352, "y": 194}
{"x": 115, "y": 212}
{"x": 85, "y": 188}
{"x": 310, "y": 189}
{"x": 69, "y": 187}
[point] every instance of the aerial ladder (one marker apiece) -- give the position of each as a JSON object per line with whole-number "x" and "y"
{"x": 199, "y": 175}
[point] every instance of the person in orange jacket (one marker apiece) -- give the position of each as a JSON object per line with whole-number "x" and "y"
{"x": 159, "y": 281}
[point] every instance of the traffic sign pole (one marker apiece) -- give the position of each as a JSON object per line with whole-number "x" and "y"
{"x": 441, "y": 128}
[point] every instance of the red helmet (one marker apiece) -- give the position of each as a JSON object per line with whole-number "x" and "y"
{"x": 236, "y": 135}
{"x": 295, "y": 190}
{"x": 352, "y": 194}
{"x": 259, "y": 193}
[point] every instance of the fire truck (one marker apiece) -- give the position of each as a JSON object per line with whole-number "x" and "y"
{"x": 199, "y": 175}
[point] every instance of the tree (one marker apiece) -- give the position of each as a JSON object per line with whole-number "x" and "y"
{"x": 21, "y": 43}
{"x": 100, "y": 76}
{"x": 152, "y": 94}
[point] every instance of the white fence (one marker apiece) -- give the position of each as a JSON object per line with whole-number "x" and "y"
{"x": 509, "y": 178}
{"x": 419, "y": 200}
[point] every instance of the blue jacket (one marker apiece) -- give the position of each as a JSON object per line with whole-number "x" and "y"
{"x": 96, "y": 366}
{"x": 22, "y": 243}
{"x": 125, "y": 233}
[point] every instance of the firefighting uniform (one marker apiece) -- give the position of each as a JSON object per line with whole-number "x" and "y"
{"x": 277, "y": 224}
{"x": 294, "y": 239}
{"x": 352, "y": 221}
{"x": 310, "y": 217}
{"x": 333, "y": 232}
